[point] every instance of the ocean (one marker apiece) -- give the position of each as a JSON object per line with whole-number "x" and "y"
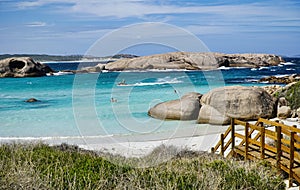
{"x": 80, "y": 105}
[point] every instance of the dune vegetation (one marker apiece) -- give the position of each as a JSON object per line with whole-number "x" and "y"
{"x": 39, "y": 166}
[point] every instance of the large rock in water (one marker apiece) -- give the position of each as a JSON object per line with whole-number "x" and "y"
{"x": 22, "y": 67}
{"x": 247, "y": 103}
{"x": 185, "y": 108}
{"x": 194, "y": 61}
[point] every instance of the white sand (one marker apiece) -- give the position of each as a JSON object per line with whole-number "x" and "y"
{"x": 201, "y": 138}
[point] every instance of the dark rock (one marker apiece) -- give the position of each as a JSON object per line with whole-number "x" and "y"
{"x": 30, "y": 100}
{"x": 23, "y": 67}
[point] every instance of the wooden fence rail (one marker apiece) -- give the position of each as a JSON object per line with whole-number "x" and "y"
{"x": 266, "y": 140}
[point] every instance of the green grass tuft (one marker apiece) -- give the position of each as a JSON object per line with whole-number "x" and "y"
{"x": 39, "y": 166}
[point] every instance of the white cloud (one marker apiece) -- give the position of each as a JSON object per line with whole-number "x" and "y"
{"x": 133, "y": 8}
{"x": 215, "y": 18}
{"x": 35, "y": 24}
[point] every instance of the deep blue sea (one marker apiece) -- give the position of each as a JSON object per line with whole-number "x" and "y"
{"x": 72, "y": 105}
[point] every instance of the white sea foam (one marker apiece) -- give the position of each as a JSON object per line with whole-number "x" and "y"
{"x": 290, "y": 69}
{"x": 251, "y": 80}
{"x": 288, "y": 63}
{"x": 159, "y": 81}
{"x": 153, "y": 70}
{"x": 224, "y": 68}
{"x": 263, "y": 68}
{"x": 59, "y": 73}
{"x": 52, "y": 138}
{"x": 281, "y": 75}
{"x": 62, "y": 73}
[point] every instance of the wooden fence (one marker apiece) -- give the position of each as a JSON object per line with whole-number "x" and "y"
{"x": 266, "y": 140}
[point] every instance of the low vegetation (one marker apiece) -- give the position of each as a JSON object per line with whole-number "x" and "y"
{"x": 291, "y": 94}
{"x": 39, "y": 166}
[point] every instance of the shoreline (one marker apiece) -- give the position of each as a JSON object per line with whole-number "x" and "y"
{"x": 138, "y": 145}
{"x": 201, "y": 138}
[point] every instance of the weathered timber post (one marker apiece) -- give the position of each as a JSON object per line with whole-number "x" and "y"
{"x": 232, "y": 137}
{"x": 222, "y": 144}
{"x": 246, "y": 140}
{"x": 262, "y": 141}
{"x": 292, "y": 149}
{"x": 278, "y": 147}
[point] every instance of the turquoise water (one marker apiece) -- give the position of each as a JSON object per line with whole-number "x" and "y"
{"x": 72, "y": 105}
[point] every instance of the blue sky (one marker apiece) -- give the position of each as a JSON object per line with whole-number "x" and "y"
{"x": 72, "y": 26}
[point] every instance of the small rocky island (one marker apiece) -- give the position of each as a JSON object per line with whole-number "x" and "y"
{"x": 23, "y": 67}
{"x": 192, "y": 61}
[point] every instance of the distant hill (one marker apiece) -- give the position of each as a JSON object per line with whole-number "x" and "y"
{"x": 45, "y": 57}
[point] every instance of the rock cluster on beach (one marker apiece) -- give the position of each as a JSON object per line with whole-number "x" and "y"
{"x": 281, "y": 79}
{"x": 245, "y": 103}
{"x": 221, "y": 104}
{"x": 193, "y": 61}
{"x": 185, "y": 108}
{"x": 22, "y": 67}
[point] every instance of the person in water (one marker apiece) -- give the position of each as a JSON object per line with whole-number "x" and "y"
{"x": 123, "y": 82}
{"x": 113, "y": 100}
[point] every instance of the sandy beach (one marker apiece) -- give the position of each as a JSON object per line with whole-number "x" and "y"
{"x": 201, "y": 138}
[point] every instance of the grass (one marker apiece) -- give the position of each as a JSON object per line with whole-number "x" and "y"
{"x": 291, "y": 94}
{"x": 39, "y": 166}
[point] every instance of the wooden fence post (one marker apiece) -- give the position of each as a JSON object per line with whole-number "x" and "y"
{"x": 278, "y": 148}
{"x": 262, "y": 141}
{"x": 246, "y": 140}
{"x": 222, "y": 144}
{"x": 232, "y": 137}
{"x": 292, "y": 149}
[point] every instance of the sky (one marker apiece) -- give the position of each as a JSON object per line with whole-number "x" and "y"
{"x": 69, "y": 27}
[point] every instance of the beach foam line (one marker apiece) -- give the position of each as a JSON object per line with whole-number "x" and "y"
{"x": 152, "y": 70}
{"x": 51, "y": 138}
{"x": 159, "y": 81}
{"x": 288, "y": 63}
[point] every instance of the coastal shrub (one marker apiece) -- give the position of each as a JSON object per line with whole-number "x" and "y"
{"x": 291, "y": 94}
{"x": 39, "y": 166}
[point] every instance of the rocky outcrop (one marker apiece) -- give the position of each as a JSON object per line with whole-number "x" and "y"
{"x": 177, "y": 60}
{"x": 272, "y": 89}
{"x": 185, "y": 108}
{"x": 248, "y": 60}
{"x": 96, "y": 69}
{"x": 284, "y": 112}
{"x": 22, "y": 67}
{"x": 281, "y": 80}
{"x": 246, "y": 103}
{"x": 194, "y": 61}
